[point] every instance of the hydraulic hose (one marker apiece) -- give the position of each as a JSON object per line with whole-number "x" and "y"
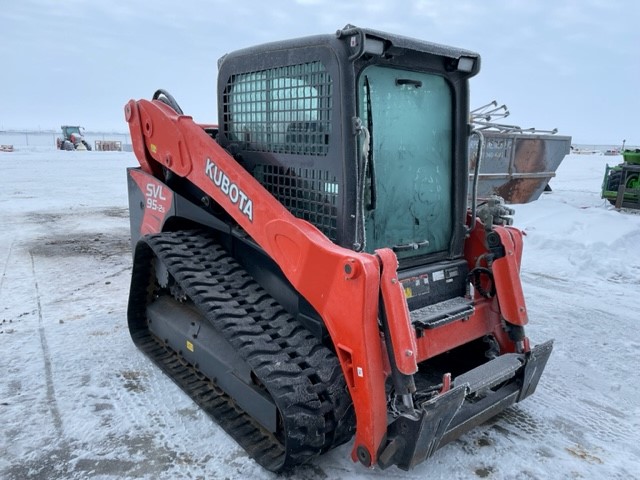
{"x": 166, "y": 98}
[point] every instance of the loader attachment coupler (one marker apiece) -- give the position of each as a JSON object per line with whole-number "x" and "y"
{"x": 475, "y": 397}
{"x": 414, "y": 438}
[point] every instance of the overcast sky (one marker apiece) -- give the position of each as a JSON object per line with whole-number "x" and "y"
{"x": 572, "y": 64}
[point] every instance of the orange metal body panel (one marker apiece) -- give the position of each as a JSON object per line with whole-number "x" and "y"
{"x": 508, "y": 304}
{"x": 485, "y": 321}
{"x": 401, "y": 332}
{"x": 158, "y": 202}
{"x": 506, "y": 272}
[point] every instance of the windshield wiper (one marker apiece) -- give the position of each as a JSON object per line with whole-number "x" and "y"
{"x": 370, "y": 165}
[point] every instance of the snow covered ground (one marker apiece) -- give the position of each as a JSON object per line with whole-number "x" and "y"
{"x": 77, "y": 399}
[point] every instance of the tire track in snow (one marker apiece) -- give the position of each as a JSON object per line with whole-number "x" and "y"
{"x": 51, "y": 392}
{"x": 6, "y": 265}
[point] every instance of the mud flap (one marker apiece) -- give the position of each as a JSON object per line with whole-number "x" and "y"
{"x": 414, "y": 438}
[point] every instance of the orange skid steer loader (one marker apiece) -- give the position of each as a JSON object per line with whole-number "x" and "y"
{"x": 309, "y": 270}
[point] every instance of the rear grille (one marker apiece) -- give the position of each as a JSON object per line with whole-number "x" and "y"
{"x": 309, "y": 194}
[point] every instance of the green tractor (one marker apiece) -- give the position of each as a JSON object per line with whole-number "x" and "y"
{"x": 621, "y": 183}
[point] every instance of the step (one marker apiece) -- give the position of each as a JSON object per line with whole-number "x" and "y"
{"x": 491, "y": 373}
{"x": 442, "y": 313}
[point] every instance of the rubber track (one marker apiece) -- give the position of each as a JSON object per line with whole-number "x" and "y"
{"x": 302, "y": 376}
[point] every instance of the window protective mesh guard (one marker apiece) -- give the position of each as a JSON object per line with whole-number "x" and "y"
{"x": 310, "y": 194}
{"x": 280, "y": 110}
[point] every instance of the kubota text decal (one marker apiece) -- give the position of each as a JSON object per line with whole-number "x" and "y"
{"x": 230, "y": 189}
